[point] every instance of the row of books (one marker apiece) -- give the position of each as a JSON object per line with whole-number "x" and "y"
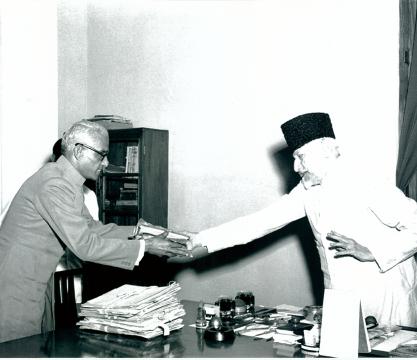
{"x": 120, "y": 202}
{"x": 127, "y": 197}
{"x": 132, "y": 159}
{"x": 122, "y": 196}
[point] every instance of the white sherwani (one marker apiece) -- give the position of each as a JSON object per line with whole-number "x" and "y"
{"x": 379, "y": 217}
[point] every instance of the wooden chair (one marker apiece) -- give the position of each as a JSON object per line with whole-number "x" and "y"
{"x": 64, "y": 301}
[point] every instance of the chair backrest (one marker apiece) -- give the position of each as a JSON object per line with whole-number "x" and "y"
{"x": 65, "y": 304}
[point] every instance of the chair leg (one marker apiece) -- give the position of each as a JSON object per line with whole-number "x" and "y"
{"x": 65, "y": 306}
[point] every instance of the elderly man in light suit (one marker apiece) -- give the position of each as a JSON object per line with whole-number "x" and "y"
{"x": 48, "y": 214}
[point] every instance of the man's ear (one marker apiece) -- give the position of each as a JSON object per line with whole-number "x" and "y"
{"x": 77, "y": 152}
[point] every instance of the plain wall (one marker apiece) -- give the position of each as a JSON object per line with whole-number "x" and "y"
{"x": 28, "y": 90}
{"x": 222, "y": 76}
{"x": 72, "y": 62}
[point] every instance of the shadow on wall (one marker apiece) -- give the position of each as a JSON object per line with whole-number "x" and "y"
{"x": 283, "y": 162}
{"x": 300, "y": 229}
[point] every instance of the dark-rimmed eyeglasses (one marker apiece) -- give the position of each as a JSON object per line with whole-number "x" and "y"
{"x": 103, "y": 154}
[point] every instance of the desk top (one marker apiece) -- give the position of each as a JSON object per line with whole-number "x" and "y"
{"x": 186, "y": 342}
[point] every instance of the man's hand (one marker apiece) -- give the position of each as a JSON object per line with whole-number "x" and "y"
{"x": 161, "y": 246}
{"x": 196, "y": 249}
{"x": 186, "y": 241}
{"x": 196, "y": 253}
{"x": 345, "y": 246}
{"x": 192, "y": 238}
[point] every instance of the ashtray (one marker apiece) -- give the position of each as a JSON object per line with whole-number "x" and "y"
{"x": 223, "y": 334}
{"x": 217, "y": 331}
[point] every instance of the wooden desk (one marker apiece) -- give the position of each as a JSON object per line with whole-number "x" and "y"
{"x": 186, "y": 342}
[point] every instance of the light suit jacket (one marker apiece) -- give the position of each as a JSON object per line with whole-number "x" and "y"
{"x": 47, "y": 214}
{"x": 377, "y": 216}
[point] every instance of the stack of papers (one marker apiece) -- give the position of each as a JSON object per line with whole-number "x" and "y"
{"x": 283, "y": 337}
{"x": 112, "y": 121}
{"x": 145, "y": 311}
{"x": 289, "y": 310}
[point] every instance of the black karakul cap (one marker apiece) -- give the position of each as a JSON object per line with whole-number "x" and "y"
{"x": 305, "y": 128}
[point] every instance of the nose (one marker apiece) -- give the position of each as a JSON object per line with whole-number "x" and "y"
{"x": 105, "y": 162}
{"x": 297, "y": 165}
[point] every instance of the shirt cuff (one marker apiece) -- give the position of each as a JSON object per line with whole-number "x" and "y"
{"x": 203, "y": 241}
{"x": 141, "y": 252}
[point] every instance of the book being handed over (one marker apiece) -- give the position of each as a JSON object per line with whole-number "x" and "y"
{"x": 145, "y": 230}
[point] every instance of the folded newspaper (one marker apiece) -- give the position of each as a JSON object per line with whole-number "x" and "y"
{"x": 145, "y": 311}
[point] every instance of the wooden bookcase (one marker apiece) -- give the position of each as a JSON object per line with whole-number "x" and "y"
{"x": 124, "y": 197}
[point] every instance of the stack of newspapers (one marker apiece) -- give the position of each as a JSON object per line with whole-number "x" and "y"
{"x": 145, "y": 311}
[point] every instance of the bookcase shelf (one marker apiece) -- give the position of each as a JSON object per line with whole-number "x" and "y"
{"x": 111, "y": 175}
{"x": 128, "y": 209}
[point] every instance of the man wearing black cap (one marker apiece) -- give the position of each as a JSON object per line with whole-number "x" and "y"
{"x": 378, "y": 264}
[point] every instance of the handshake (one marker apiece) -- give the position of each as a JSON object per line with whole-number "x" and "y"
{"x": 160, "y": 241}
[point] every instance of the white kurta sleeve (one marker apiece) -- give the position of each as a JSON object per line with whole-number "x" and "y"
{"x": 244, "y": 229}
{"x": 397, "y": 211}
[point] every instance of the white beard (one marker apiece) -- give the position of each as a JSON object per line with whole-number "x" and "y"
{"x": 310, "y": 180}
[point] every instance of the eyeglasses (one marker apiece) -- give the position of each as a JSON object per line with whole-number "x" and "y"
{"x": 103, "y": 154}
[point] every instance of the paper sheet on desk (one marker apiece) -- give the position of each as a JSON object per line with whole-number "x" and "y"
{"x": 264, "y": 332}
{"x": 405, "y": 350}
{"x": 399, "y": 337}
{"x": 285, "y": 309}
{"x": 290, "y": 339}
{"x": 255, "y": 330}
